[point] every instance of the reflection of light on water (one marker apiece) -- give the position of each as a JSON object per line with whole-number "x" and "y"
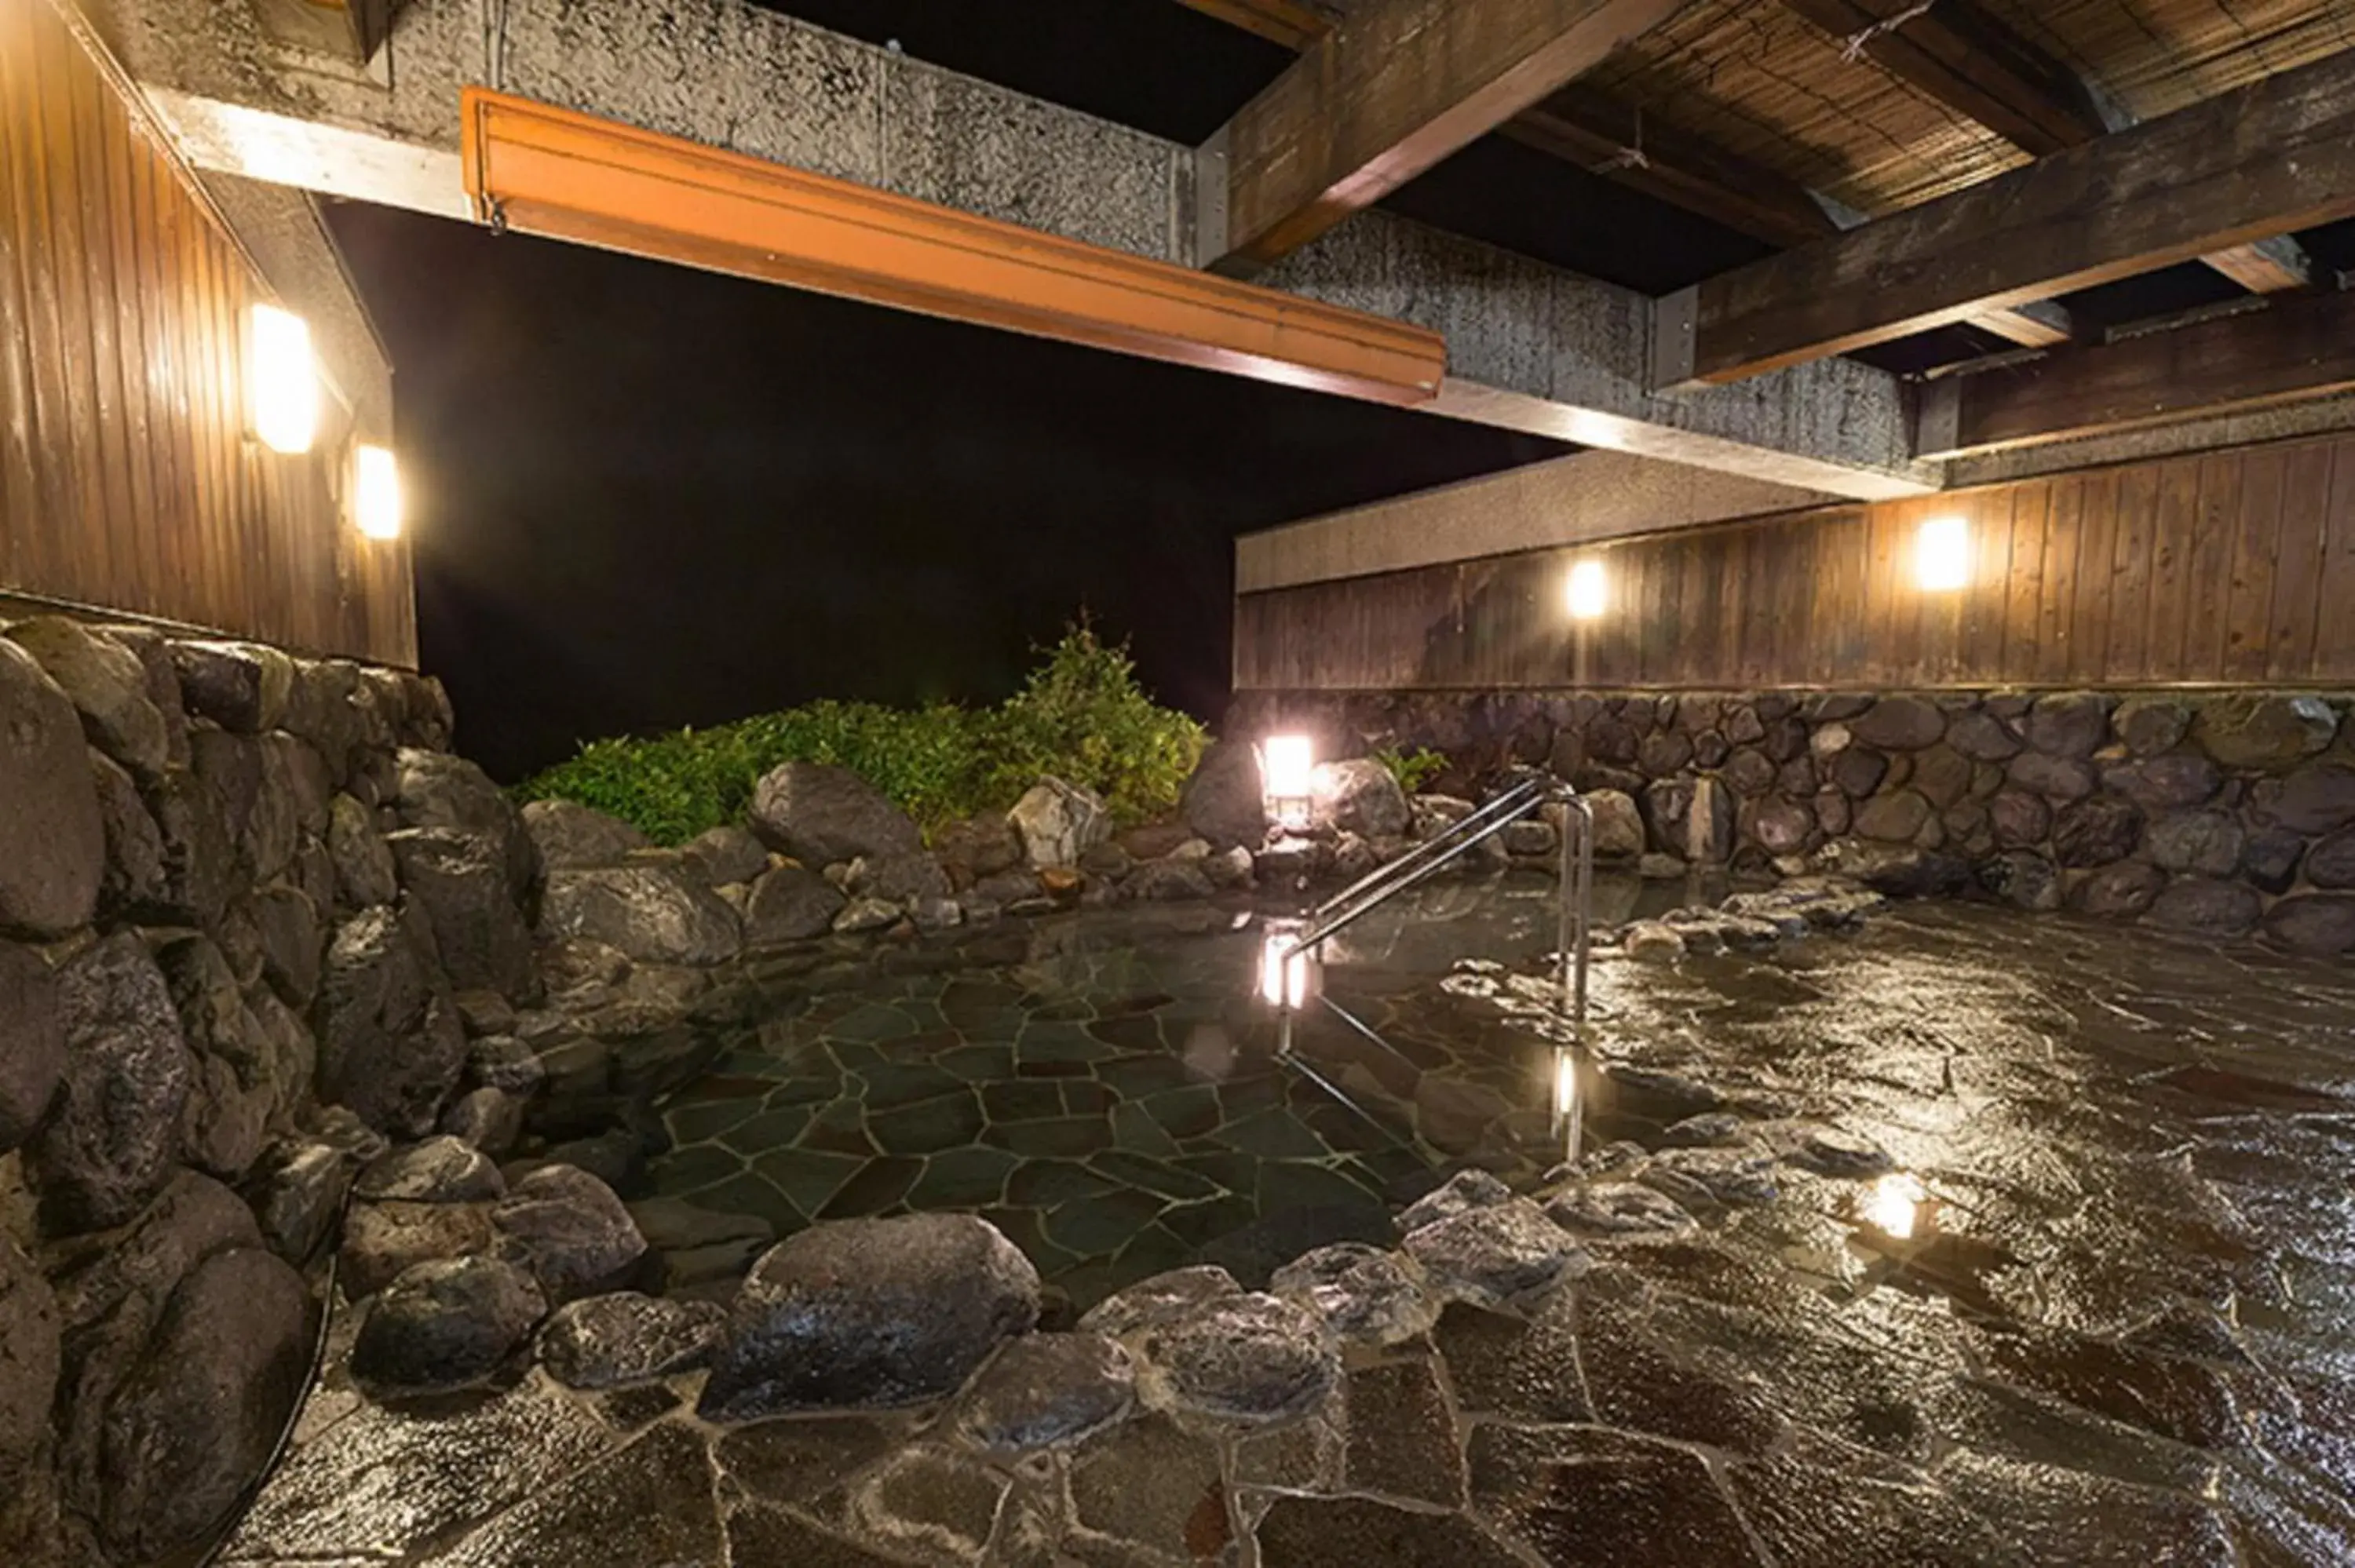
{"x": 1565, "y": 1084}
{"x": 1893, "y": 1204}
{"x": 1283, "y": 972}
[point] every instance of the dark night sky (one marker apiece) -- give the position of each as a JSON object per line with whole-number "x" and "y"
{"x": 643, "y": 497}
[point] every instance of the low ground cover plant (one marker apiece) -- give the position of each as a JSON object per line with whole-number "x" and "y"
{"x": 1081, "y": 715}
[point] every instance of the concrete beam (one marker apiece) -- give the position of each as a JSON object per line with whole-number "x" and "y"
{"x": 1531, "y": 347}
{"x": 1574, "y": 499}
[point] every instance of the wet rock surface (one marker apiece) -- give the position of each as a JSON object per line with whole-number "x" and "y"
{"x": 2111, "y": 1333}
{"x": 869, "y": 1313}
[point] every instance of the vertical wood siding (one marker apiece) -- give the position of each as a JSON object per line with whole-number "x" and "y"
{"x": 127, "y": 479}
{"x": 2224, "y": 568}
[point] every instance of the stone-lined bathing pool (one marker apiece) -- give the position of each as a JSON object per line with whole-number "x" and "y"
{"x": 1104, "y": 1089}
{"x": 2124, "y": 1334}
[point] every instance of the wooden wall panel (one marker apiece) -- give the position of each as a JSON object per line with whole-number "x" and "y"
{"x": 127, "y": 482}
{"x": 2228, "y": 568}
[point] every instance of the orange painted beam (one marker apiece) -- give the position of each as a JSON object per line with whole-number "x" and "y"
{"x": 545, "y": 171}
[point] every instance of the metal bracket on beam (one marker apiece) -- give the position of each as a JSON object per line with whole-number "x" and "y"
{"x": 1674, "y": 320}
{"x": 1210, "y": 189}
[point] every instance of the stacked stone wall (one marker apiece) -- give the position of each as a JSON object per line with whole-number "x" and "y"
{"x": 2227, "y": 815}
{"x": 237, "y": 890}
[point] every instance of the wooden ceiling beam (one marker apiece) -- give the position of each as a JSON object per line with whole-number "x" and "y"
{"x": 2290, "y": 350}
{"x": 1975, "y": 64}
{"x": 1965, "y": 58}
{"x": 1399, "y": 86}
{"x": 2265, "y": 160}
{"x": 1581, "y": 126}
{"x": 1592, "y": 132}
{"x": 1287, "y": 22}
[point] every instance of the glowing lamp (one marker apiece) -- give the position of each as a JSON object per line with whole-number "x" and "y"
{"x": 375, "y": 493}
{"x": 1286, "y": 977}
{"x": 1894, "y": 1205}
{"x": 281, "y": 382}
{"x": 1589, "y": 590}
{"x": 1942, "y": 554}
{"x": 1288, "y": 766}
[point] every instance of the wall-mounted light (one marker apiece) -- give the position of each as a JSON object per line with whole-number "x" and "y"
{"x": 281, "y": 381}
{"x": 1589, "y": 589}
{"x": 1942, "y": 554}
{"x": 1288, "y": 769}
{"x": 376, "y": 491}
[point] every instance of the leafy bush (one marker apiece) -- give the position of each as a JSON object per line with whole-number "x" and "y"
{"x": 1412, "y": 769}
{"x": 1081, "y": 715}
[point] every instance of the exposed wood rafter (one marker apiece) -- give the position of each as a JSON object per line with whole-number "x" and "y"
{"x": 1976, "y": 65}
{"x": 1589, "y": 128}
{"x": 1286, "y": 22}
{"x": 1396, "y": 88}
{"x": 2288, "y": 350}
{"x": 2265, "y": 160}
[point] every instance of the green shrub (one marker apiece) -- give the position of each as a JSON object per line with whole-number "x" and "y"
{"x": 1081, "y": 715}
{"x": 1412, "y": 769}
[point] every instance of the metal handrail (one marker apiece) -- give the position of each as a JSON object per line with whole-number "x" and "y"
{"x": 1511, "y": 801}
{"x": 1418, "y": 865}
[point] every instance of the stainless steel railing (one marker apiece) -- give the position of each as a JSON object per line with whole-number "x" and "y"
{"x": 1426, "y": 860}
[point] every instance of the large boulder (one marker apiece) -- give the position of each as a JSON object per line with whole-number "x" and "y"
{"x": 435, "y": 790}
{"x": 199, "y": 1416}
{"x": 2097, "y": 831}
{"x": 1245, "y": 1359}
{"x": 107, "y": 684}
{"x": 1047, "y": 1390}
{"x": 1618, "y": 825}
{"x": 570, "y": 835}
{"x": 391, "y": 1043}
{"x": 296, "y": 1196}
{"x": 52, "y": 837}
{"x": 109, "y": 1143}
{"x": 790, "y": 904}
{"x": 1225, "y": 801}
{"x": 2271, "y": 732}
{"x": 133, "y": 882}
{"x": 2313, "y": 923}
{"x": 366, "y": 875}
{"x": 1059, "y": 823}
{"x": 1359, "y": 795}
{"x": 820, "y": 814}
{"x": 726, "y": 855}
{"x": 32, "y": 1043}
{"x": 446, "y": 1324}
{"x": 863, "y": 1314}
{"x": 654, "y": 913}
{"x": 200, "y": 862}
{"x": 28, "y": 1356}
{"x": 606, "y": 1341}
{"x": 382, "y": 1240}
{"x": 571, "y": 1232}
{"x": 901, "y": 879}
{"x": 243, "y": 687}
{"x": 458, "y": 881}
{"x": 2317, "y": 798}
{"x": 2205, "y": 906}
{"x": 1899, "y": 723}
{"x": 2069, "y": 724}
{"x": 2331, "y": 863}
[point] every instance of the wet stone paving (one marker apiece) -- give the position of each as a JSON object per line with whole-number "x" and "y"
{"x": 1957, "y": 1238}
